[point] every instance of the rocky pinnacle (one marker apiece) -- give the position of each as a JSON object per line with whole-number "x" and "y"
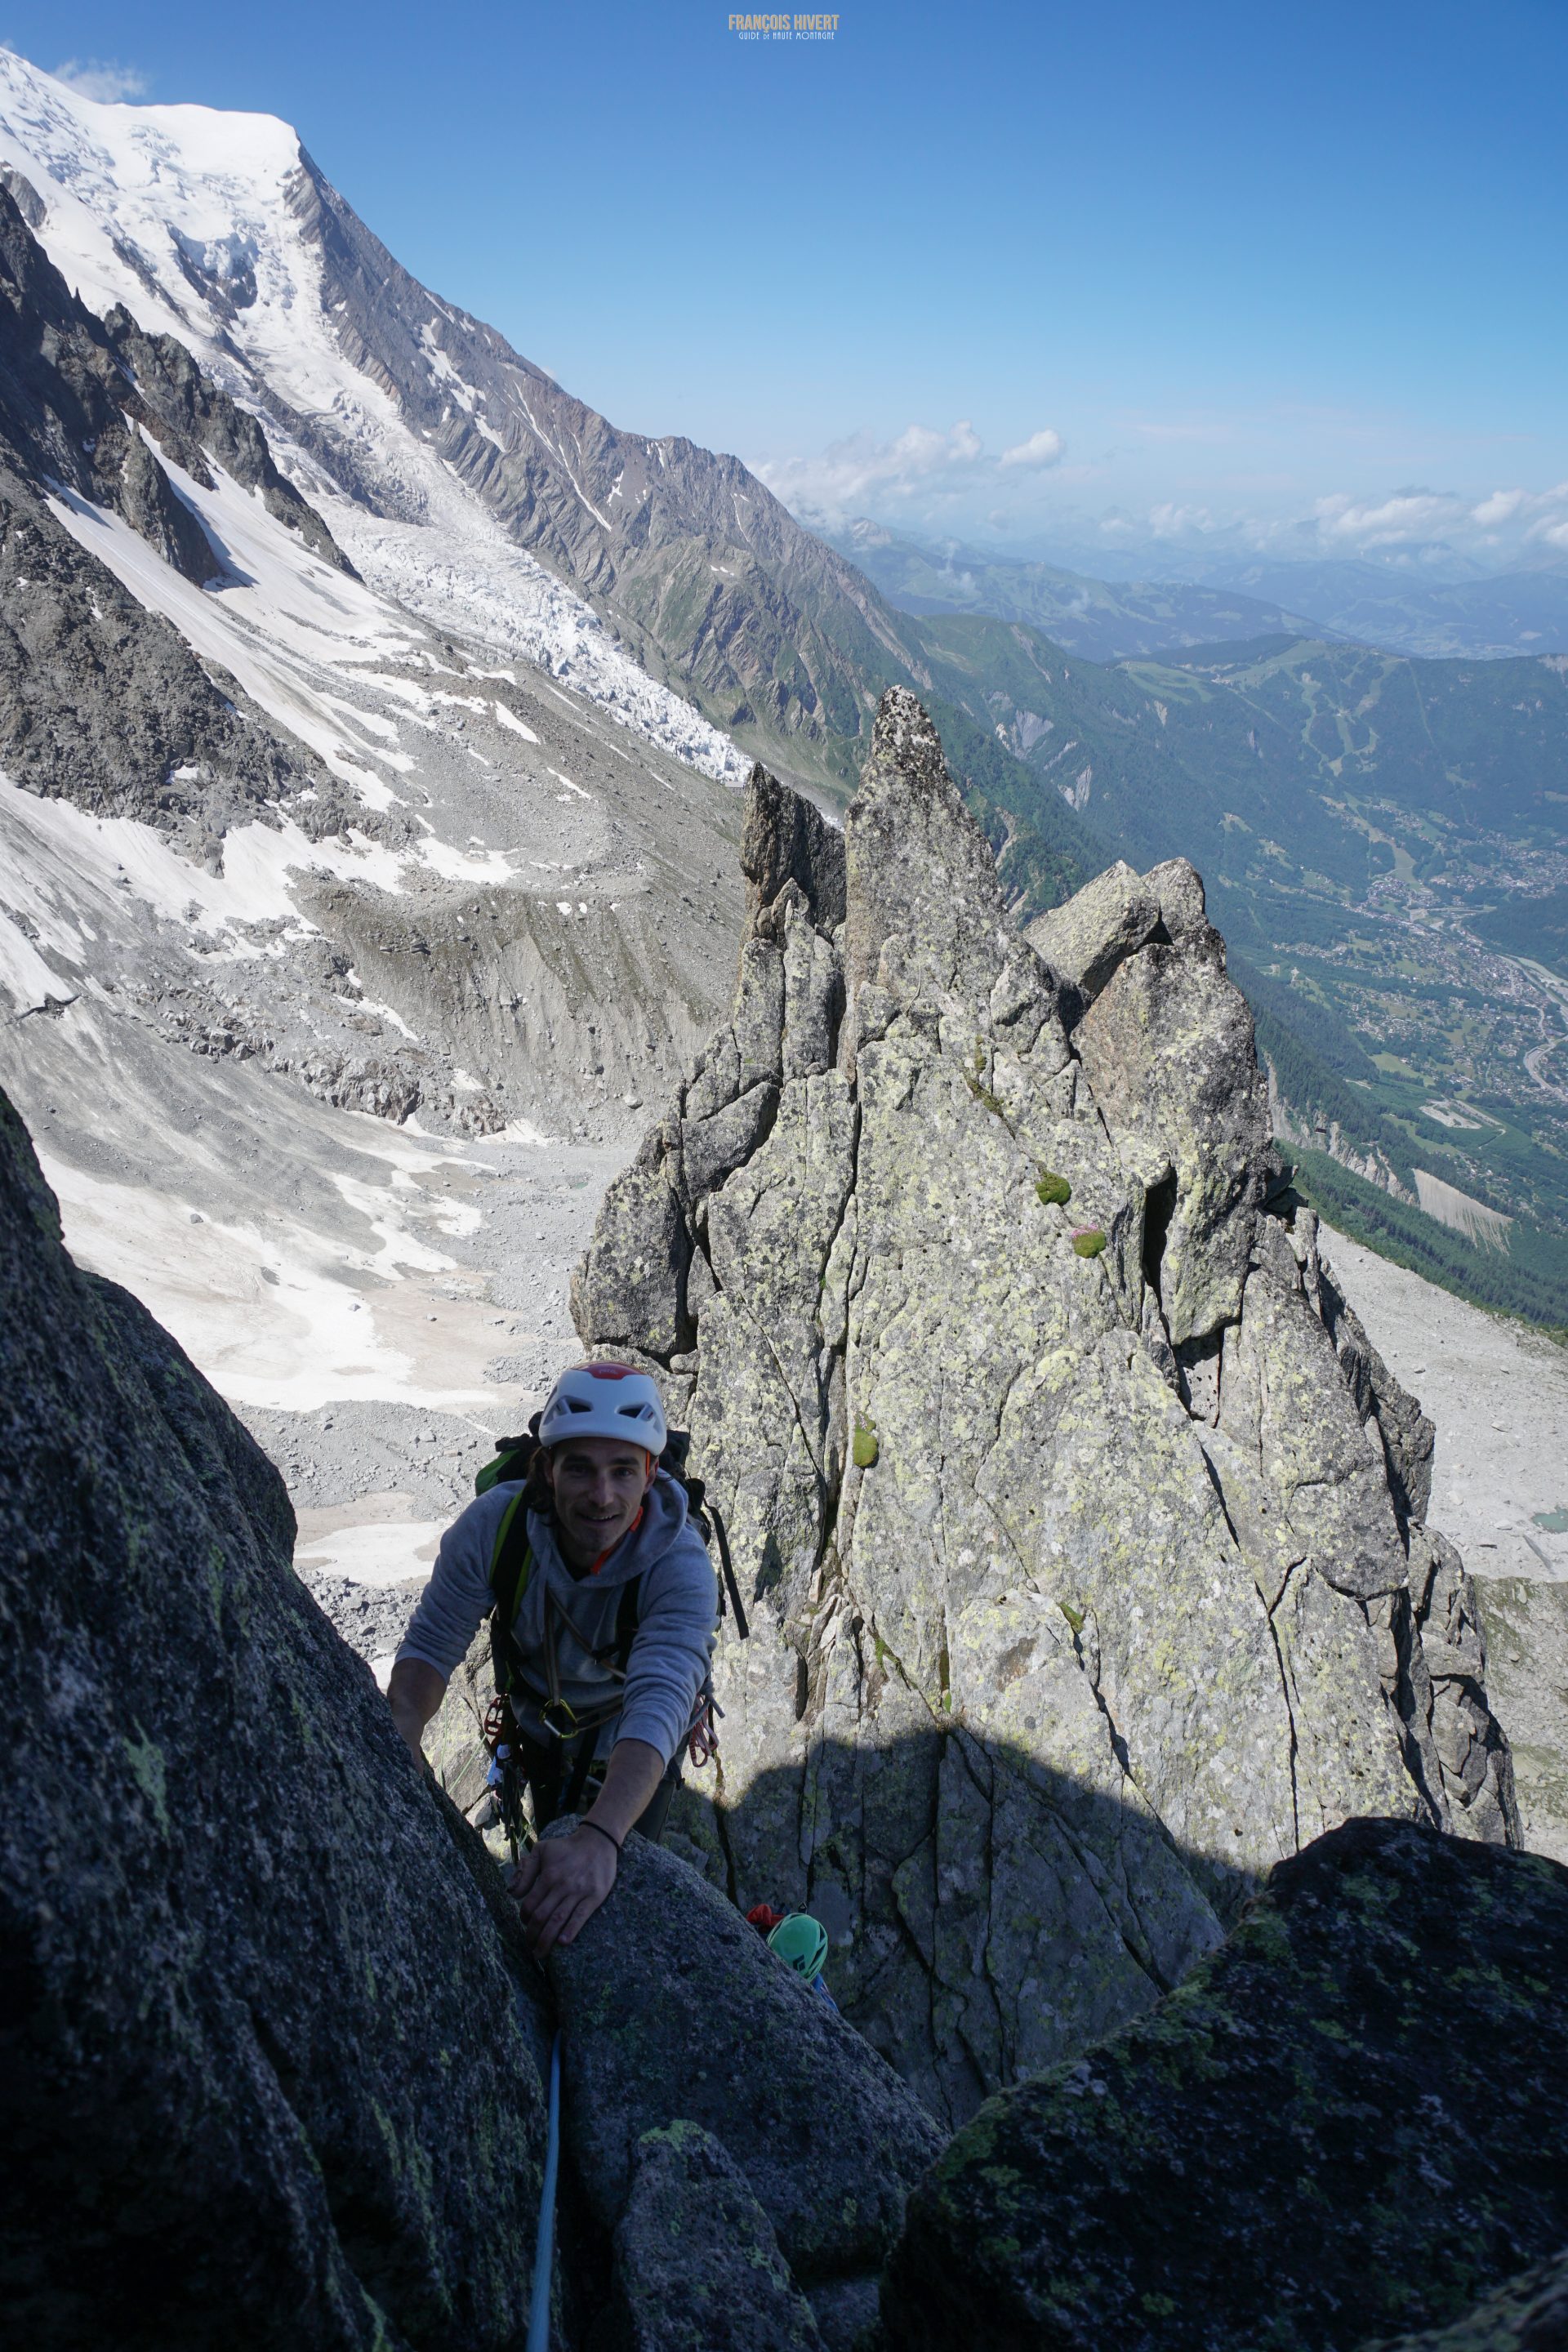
{"x": 1082, "y": 1533}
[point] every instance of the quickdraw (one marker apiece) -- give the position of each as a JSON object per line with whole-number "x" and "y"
{"x": 702, "y": 1739}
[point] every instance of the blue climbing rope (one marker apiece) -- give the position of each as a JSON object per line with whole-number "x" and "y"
{"x": 545, "y": 2245}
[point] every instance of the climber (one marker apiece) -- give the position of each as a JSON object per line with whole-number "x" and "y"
{"x": 604, "y": 1609}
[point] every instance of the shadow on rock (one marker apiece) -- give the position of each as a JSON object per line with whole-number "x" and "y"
{"x": 265, "y": 2080}
{"x": 987, "y": 1915}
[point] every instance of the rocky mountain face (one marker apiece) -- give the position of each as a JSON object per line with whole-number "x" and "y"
{"x": 187, "y": 653}
{"x": 708, "y": 578}
{"x": 101, "y": 701}
{"x": 84, "y": 396}
{"x": 1083, "y": 1525}
{"x": 264, "y": 2074}
{"x": 272, "y": 2049}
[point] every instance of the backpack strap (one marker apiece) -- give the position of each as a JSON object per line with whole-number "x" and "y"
{"x": 627, "y": 1615}
{"x": 511, "y": 1568}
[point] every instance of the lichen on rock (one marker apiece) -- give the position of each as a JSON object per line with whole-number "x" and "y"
{"x": 697, "y": 2266}
{"x": 676, "y": 2012}
{"x": 1347, "y": 2123}
{"x": 1134, "y": 1598}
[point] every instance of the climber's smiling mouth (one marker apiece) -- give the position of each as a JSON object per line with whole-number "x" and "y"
{"x": 598, "y": 1485}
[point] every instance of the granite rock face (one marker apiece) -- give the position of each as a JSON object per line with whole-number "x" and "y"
{"x": 264, "y": 2063}
{"x": 1082, "y": 1591}
{"x": 1525, "y": 1624}
{"x": 676, "y": 2012}
{"x": 697, "y": 2268}
{"x": 1348, "y": 2122}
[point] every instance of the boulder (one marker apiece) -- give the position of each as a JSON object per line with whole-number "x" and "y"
{"x": 1080, "y": 1595}
{"x": 1084, "y": 940}
{"x": 675, "y": 2013}
{"x": 1348, "y": 2121}
{"x": 264, "y": 2075}
{"x": 697, "y": 2266}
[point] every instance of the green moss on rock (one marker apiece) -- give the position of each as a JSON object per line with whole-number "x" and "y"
{"x": 1235, "y": 2171}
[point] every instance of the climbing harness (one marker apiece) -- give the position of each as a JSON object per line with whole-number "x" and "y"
{"x": 545, "y": 2243}
{"x": 559, "y": 1774}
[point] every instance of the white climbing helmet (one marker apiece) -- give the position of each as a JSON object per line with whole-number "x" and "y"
{"x": 604, "y": 1401}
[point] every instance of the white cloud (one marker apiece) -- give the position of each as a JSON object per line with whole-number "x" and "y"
{"x": 1542, "y": 514}
{"x": 1042, "y": 448}
{"x": 1415, "y": 527}
{"x": 98, "y": 77}
{"x": 1388, "y": 522}
{"x": 1169, "y": 521}
{"x": 1501, "y": 508}
{"x": 942, "y": 485}
{"x": 920, "y": 466}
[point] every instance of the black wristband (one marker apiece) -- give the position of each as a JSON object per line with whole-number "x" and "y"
{"x": 585, "y": 1824}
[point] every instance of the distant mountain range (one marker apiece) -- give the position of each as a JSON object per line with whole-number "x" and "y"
{"x": 1444, "y": 608}
{"x": 1093, "y": 617}
{"x": 1431, "y": 599}
{"x": 1487, "y": 615}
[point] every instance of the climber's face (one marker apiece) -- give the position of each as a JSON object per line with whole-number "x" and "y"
{"x": 598, "y": 1485}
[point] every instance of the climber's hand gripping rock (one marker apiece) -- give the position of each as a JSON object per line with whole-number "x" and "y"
{"x": 561, "y": 1881}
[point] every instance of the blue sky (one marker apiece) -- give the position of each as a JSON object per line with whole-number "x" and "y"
{"x": 1182, "y": 268}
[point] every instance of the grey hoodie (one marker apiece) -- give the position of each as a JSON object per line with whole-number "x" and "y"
{"x": 678, "y": 1613}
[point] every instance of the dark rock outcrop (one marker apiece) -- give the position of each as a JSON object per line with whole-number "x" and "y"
{"x": 1083, "y": 1591}
{"x": 1351, "y": 2119}
{"x": 676, "y": 2012}
{"x": 265, "y": 2078}
{"x": 194, "y": 420}
{"x": 697, "y": 2268}
{"x": 101, "y": 701}
{"x": 79, "y": 392}
{"x": 1529, "y": 2315}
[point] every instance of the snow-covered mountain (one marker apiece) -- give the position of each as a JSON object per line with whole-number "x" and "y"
{"x": 460, "y": 725}
{"x": 319, "y": 797}
{"x": 216, "y": 229}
